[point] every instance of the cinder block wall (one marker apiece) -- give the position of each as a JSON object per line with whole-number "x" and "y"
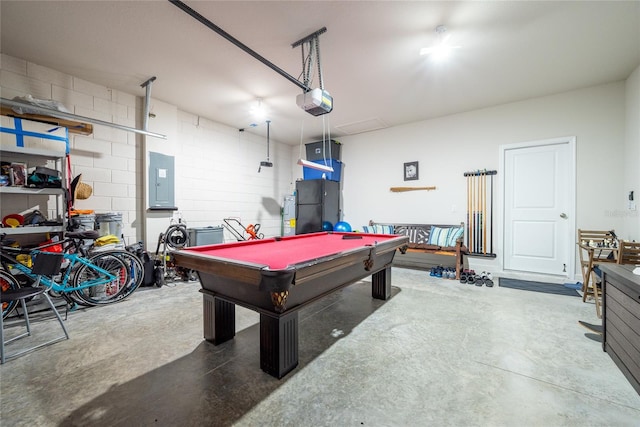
{"x": 216, "y": 166}
{"x": 106, "y": 159}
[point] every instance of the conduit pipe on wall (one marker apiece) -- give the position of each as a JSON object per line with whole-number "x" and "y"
{"x": 35, "y": 109}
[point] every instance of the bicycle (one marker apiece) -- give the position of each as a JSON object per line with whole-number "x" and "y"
{"x": 102, "y": 278}
{"x": 134, "y": 265}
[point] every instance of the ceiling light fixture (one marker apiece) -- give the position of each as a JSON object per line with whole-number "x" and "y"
{"x": 441, "y": 50}
{"x": 258, "y": 110}
{"x": 313, "y": 165}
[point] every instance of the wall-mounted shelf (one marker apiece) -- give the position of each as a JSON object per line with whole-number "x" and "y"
{"x": 73, "y": 126}
{"x": 32, "y": 230}
{"x": 35, "y": 152}
{"x": 32, "y": 191}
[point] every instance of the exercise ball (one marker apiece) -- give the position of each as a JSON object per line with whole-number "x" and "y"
{"x": 342, "y": 226}
{"x": 327, "y": 226}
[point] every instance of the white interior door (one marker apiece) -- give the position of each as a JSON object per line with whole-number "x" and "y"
{"x": 539, "y": 205}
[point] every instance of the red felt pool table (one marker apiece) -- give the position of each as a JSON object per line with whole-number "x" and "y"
{"x": 278, "y": 276}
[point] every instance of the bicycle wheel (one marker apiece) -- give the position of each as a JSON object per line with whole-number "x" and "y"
{"x": 65, "y": 287}
{"x": 134, "y": 267}
{"x": 7, "y": 281}
{"x": 99, "y": 288}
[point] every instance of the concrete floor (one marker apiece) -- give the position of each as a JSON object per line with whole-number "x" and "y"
{"x": 437, "y": 353}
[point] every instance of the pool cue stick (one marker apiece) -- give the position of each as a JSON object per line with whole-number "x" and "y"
{"x": 473, "y": 219}
{"x": 470, "y": 234}
{"x": 482, "y": 209}
{"x": 491, "y": 235}
{"x": 479, "y": 202}
{"x": 479, "y": 213}
{"x": 479, "y": 245}
{"x": 479, "y": 207}
{"x": 484, "y": 214}
{"x": 468, "y": 211}
{"x": 475, "y": 211}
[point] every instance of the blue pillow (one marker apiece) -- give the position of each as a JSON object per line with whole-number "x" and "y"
{"x": 378, "y": 229}
{"x": 456, "y": 233}
{"x": 445, "y": 237}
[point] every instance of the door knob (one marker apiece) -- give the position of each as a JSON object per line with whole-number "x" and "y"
{"x": 563, "y": 215}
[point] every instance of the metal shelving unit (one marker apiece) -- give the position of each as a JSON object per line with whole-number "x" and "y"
{"x": 35, "y": 157}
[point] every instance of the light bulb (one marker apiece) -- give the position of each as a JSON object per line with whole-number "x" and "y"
{"x": 258, "y": 111}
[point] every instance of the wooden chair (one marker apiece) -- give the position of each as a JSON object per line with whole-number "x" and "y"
{"x": 596, "y": 246}
{"x": 629, "y": 253}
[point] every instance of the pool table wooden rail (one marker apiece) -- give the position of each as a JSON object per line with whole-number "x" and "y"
{"x": 259, "y": 274}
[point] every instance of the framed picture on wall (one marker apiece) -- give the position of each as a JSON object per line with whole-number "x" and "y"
{"x": 411, "y": 171}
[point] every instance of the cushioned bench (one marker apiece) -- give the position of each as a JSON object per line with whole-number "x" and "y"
{"x": 430, "y": 245}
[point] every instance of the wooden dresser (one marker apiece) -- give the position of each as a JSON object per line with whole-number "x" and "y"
{"x": 621, "y": 319}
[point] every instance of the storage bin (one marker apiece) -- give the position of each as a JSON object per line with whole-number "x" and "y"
{"x": 109, "y": 223}
{"x": 201, "y": 236}
{"x": 83, "y": 222}
{"x": 331, "y": 150}
{"x": 309, "y": 173}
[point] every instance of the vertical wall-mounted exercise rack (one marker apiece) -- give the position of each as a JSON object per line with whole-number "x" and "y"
{"x": 480, "y": 213}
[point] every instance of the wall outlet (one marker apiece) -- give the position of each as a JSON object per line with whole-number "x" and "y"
{"x": 632, "y": 205}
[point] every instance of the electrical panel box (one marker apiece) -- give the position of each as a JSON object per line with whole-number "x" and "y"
{"x": 161, "y": 182}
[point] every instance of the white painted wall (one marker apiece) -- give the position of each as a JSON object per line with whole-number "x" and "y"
{"x": 447, "y": 147}
{"x": 217, "y": 165}
{"x": 632, "y": 157}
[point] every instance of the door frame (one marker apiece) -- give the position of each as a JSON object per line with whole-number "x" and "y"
{"x": 571, "y": 206}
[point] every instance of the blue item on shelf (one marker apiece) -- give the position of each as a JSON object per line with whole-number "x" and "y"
{"x": 309, "y": 173}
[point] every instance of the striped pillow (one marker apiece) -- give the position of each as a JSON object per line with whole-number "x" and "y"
{"x": 416, "y": 234}
{"x": 445, "y": 237}
{"x": 378, "y": 229}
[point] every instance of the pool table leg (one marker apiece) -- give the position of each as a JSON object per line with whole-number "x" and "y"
{"x": 279, "y": 343}
{"x": 219, "y": 319}
{"x": 381, "y": 284}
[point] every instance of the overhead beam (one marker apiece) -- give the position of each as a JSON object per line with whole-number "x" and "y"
{"x": 238, "y": 43}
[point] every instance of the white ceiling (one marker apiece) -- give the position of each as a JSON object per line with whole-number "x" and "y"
{"x": 509, "y": 51}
